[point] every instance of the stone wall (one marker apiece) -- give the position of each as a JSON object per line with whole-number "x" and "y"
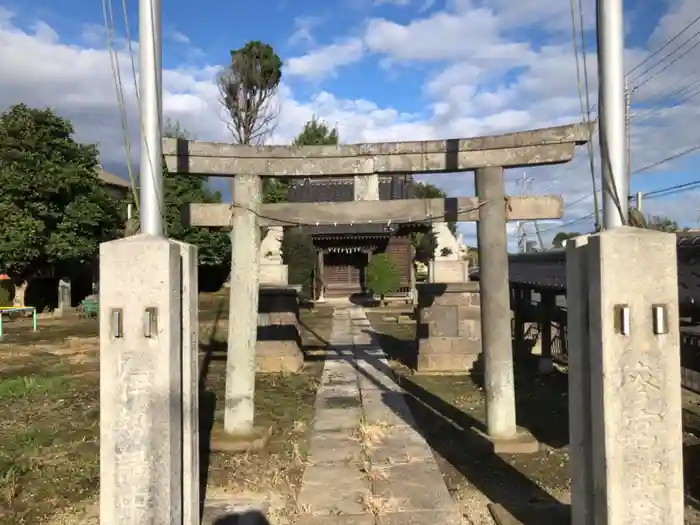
{"x": 449, "y": 327}
{"x": 278, "y": 347}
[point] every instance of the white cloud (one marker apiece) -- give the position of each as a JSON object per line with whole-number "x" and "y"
{"x": 177, "y": 36}
{"x": 326, "y": 60}
{"x": 303, "y": 25}
{"x": 488, "y": 81}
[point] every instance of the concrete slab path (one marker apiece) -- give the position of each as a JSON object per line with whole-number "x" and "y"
{"x": 367, "y": 463}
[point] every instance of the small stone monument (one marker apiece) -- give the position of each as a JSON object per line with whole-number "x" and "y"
{"x": 64, "y": 296}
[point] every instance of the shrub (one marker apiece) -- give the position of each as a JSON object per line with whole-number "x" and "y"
{"x": 299, "y": 254}
{"x": 382, "y": 276}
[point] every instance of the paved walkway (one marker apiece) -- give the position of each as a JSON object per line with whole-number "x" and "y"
{"x": 367, "y": 463}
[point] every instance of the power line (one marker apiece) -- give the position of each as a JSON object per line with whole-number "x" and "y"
{"x": 667, "y": 159}
{"x": 587, "y": 109}
{"x": 657, "y": 73}
{"x": 568, "y": 223}
{"x": 664, "y": 46}
{"x": 110, "y": 34}
{"x": 677, "y": 88}
{"x": 678, "y": 188}
{"x": 650, "y": 115}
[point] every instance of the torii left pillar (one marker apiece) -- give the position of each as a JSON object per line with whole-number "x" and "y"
{"x": 497, "y": 344}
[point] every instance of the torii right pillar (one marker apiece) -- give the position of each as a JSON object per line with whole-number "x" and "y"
{"x": 496, "y": 339}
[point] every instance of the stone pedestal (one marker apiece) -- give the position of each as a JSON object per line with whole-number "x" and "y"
{"x": 449, "y": 333}
{"x": 273, "y": 274}
{"x": 448, "y": 271}
{"x": 635, "y": 400}
{"x": 148, "y": 345}
{"x": 278, "y": 347}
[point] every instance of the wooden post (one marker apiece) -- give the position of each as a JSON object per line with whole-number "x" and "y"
{"x": 242, "y": 329}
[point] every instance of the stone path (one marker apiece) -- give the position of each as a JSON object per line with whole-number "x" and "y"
{"x": 367, "y": 463}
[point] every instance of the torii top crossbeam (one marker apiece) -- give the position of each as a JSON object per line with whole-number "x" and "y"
{"x": 526, "y": 148}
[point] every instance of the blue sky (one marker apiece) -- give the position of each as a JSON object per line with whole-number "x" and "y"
{"x": 380, "y": 70}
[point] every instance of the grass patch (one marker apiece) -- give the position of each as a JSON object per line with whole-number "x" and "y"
{"x": 49, "y": 416}
{"x": 27, "y": 387}
{"x": 49, "y": 429}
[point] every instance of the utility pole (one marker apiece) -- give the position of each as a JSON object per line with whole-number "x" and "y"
{"x": 628, "y": 133}
{"x": 611, "y": 101}
{"x": 150, "y": 94}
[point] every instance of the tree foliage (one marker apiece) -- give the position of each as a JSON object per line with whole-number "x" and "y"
{"x": 299, "y": 254}
{"x": 247, "y": 88}
{"x": 316, "y": 132}
{"x": 55, "y": 211}
{"x": 382, "y": 276}
{"x": 662, "y": 224}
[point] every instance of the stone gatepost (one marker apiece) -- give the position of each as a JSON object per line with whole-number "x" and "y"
{"x": 278, "y": 347}
{"x": 633, "y": 456}
{"x": 448, "y": 337}
{"x": 149, "y": 436}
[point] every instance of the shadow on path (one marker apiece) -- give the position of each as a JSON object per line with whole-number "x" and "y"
{"x": 450, "y": 433}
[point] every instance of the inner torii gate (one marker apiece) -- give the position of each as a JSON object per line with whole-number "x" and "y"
{"x": 488, "y": 156}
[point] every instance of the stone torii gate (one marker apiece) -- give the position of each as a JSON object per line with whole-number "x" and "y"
{"x": 487, "y": 156}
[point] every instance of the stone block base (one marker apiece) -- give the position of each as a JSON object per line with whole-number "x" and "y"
{"x": 278, "y": 357}
{"x": 522, "y": 443}
{"x": 449, "y": 328}
{"x": 278, "y": 347}
{"x": 273, "y": 274}
{"x": 449, "y": 363}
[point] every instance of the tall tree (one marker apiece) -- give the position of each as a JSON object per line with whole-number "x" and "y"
{"x": 247, "y": 89}
{"x": 54, "y": 209}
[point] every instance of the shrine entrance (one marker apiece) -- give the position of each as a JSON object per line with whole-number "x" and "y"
{"x": 344, "y": 272}
{"x": 488, "y": 157}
